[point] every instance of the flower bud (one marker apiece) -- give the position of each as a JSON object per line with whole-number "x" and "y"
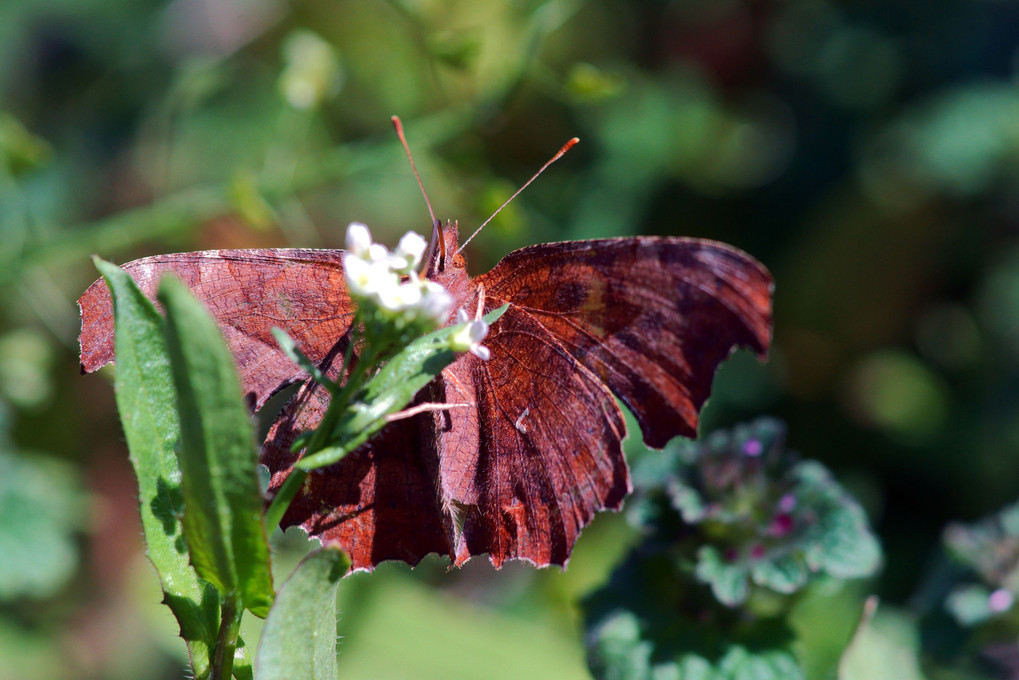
{"x": 468, "y": 339}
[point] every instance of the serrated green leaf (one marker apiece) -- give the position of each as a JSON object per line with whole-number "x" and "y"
{"x": 652, "y": 620}
{"x": 617, "y": 650}
{"x": 729, "y": 581}
{"x": 686, "y": 501}
{"x": 146, "y": 399}
{"x": 785, "y": 574}
{"x": 741, "y": 663}
{"x": 390, "y": 391}
{"x": 299, "y": 638}
{"x": 692, "y": 667}
{"x": 840, "y": 542}
{"x": 222, "y": 520}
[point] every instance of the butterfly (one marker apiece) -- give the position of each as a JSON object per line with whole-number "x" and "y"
{"x": 537, "y": 452}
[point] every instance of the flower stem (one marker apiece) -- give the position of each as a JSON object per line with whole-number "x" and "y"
{"x": 226, "y": 644}
{"x": 320, "y": 439}
{"x": 281, "y": 501}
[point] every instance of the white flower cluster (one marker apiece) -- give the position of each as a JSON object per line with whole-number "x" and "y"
{"x": 388, "y": 281}
{"x": 376, "y": 275}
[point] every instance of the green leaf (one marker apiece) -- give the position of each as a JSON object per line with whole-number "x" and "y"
{"x": 885, "y": 647}
{"x": 728, "y": 581}
{"x": 587, "y": 82}
{"x": 242, "y": 668}
{"x": 970, "y": 604}
{"x": 778, "y": 521}
{"x": 390, "y": 391}
{"x": 299, "y": 638}
{"x": 222, "y": 505}
{"x": 617, "y": 650}
{"x": 741, "y": 663}
{"x": 652, "y": 622}
{"x": 146, "y": 399}
{"x": 840, "y": 542}
{"x": 294, "y": 353}
{"x": 785, "y": 574}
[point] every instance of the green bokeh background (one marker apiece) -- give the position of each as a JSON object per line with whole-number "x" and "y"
{"x": 866, "y": 152}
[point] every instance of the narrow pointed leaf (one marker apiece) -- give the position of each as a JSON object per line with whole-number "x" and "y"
{"x": 290, "y": 348}
{"x": 390, "y": 391}
{"x": 147, "y": 401}
{"x": 222, "y": 505}
{"x": 299, "y": 638}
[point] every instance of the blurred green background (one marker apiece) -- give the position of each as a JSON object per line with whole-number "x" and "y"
{"x": 866, "y": 152}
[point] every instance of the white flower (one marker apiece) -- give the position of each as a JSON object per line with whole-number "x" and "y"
{"x": 378, "y": 253}
{"x": 404, "y": 297}
{"x": 468, "y": 339}
{"x": 409, "y": 251}
{"x": 374, "y": 277}
{"x": 435, "y": 301}
{"x": 367, "y": 279}
{"x": 359, "y": 239}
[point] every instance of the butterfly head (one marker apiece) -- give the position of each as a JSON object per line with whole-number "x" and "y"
{"x": 441, "y": 256}
{"x": 445, "y": 266}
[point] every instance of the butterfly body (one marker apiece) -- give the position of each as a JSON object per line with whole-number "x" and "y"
{"x": 532, "y": 449}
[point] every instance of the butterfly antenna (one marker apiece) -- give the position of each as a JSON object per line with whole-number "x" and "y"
{"x": 403, "y": 140}
{"x": 559, "y": 154}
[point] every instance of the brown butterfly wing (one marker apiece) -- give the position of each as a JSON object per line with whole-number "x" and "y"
{"x": 651, "y": 317}
{"x": 522, "y": 469}
{"x": 526, "y": 469}
{"x": 248, "y": 292}
{"x": 377, "y": 503}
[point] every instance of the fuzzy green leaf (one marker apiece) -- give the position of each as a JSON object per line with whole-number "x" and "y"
{"x": 146, "y": 399}
{"x": 652, "y": 621}
{"x": 299, "y": 638}
{"x": 619, "y": 650}
{"x": 785, "y": 574}
{"x": 741, "y": 663}
{"x": 616, "y": 650}
{"x": 222, "y": 520}
{"x": 777, "y": 521}
{"x": 840, "y": 542}
{"x": 728, "y": 581}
